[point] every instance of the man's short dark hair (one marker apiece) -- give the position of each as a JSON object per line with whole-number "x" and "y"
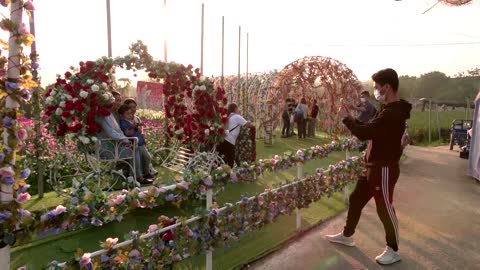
{"x": 385, "y": 76}
{"x": 365, "y": 93}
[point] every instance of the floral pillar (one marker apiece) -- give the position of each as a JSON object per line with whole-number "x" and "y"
{"x": 14, "y": 87}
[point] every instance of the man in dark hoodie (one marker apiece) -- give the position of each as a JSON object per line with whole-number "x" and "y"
{"x": 383, "y": 153}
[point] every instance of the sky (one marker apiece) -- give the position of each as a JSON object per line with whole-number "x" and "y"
{"x": 365, "y": 35}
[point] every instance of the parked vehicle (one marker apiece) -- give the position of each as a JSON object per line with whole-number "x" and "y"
{"x": 458, "y": 134}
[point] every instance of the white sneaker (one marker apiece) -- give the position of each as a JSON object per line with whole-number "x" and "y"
{"x": 388, "y": 256}
{"x": 341, "y": 239}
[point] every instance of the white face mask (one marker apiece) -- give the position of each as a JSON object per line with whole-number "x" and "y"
{"x": 379, "y": 97}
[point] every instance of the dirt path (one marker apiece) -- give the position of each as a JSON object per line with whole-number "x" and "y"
{"x": 438, "y": 208}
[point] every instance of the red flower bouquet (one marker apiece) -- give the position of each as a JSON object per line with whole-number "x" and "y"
{"x": 75, "y": 101}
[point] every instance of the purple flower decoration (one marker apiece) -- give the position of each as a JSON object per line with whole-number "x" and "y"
{"x": 8, "y": 122}
{"x": 23, "y": 189}
{"x": 8, "y": 180}
{"x": 96, "y": 222}
{"x": 11, "y": 86}
{"x": 208, "y": 181}
{"x": 2, "y": 157}
{"x": 244, "y": 199}
{"x": 104, "y": 258}
{"x": 56, "y": 230}
{"x": 169, "y": 197}
{"x": 25, "y": 173}
{"x": 5, "y": 215}
{"x": 26, "y": 95}
{"x": 42, "y": 233}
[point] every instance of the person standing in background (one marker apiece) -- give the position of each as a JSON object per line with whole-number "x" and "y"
{"x": 286, "y": 120}
{"x": 312, "y": 121}
{"x": 302, "y": 109}
{"x": 366, "y": 112}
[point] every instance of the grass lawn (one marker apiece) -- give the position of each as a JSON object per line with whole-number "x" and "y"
{"x": 418, "y": 123}
{"x": 40, "y": 251}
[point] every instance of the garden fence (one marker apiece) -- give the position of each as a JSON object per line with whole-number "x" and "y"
{"x": 209, "y": 202}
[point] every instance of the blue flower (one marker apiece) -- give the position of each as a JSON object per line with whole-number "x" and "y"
{"x": 51, "y": 214}
{"x": 96, "y": 222}
{"x": 84, "y": 221}
{"x": 169, "y": 197}
{"x": 2, "y": 157}
{"x": 104, "y": 258}
{"x": 25, "y": 173}
{"x": 8, "y": 180}
{"x": 26, "y": 94}
{"x": 8, "y": 122}
{"x": 22, "y": 189}
{"x": 5, "y": 215}
{"x": 244, "y": 199}
{"x": 56, "y": 230}
{"x": 11, "y": 86}
{"x": 42, "y": 233}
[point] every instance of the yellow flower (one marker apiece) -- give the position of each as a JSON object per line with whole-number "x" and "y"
{"x": 28, "y": 40}
{"x": 18, "y": 184}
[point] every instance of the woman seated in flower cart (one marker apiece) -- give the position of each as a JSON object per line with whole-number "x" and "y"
{"x": 130, "y": 130}
{"x": 235, "y": 121}
{"x": 138, "y": 126}
{"x": 111, "y": 130}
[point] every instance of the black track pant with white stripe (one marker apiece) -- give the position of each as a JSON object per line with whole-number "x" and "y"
{"x": 379, "y": 183}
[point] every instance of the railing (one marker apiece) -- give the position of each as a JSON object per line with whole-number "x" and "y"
{"x": 350, "y": 164}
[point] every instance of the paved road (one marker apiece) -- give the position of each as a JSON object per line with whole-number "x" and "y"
{"x": 438, "y": 209}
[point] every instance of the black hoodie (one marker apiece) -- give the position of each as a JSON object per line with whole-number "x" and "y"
{"x": 384, "y": 131}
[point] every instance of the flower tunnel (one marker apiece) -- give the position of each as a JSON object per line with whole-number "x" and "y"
{"x": 324, "y": 79}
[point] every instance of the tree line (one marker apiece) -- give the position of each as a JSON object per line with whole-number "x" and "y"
{"x": 438, "y": 86}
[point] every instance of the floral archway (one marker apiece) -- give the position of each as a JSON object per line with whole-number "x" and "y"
{"x": 327, "y": 80}
{"x": 256, "y": 89}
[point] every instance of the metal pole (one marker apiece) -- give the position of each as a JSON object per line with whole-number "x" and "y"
{"x": 109, "y": 30}
{"x": 245, "y": 91}
{"x": 223, "y": 48}
{"x": 429, "y": 120}
{"x": 239, "y": 44}
{"x": 36, "y": 108}
{"x": 438, "y": 125}
{"x": 466, "y": 111}
{"x": 201, "y": 46}
{"x": 165, "y": 30}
